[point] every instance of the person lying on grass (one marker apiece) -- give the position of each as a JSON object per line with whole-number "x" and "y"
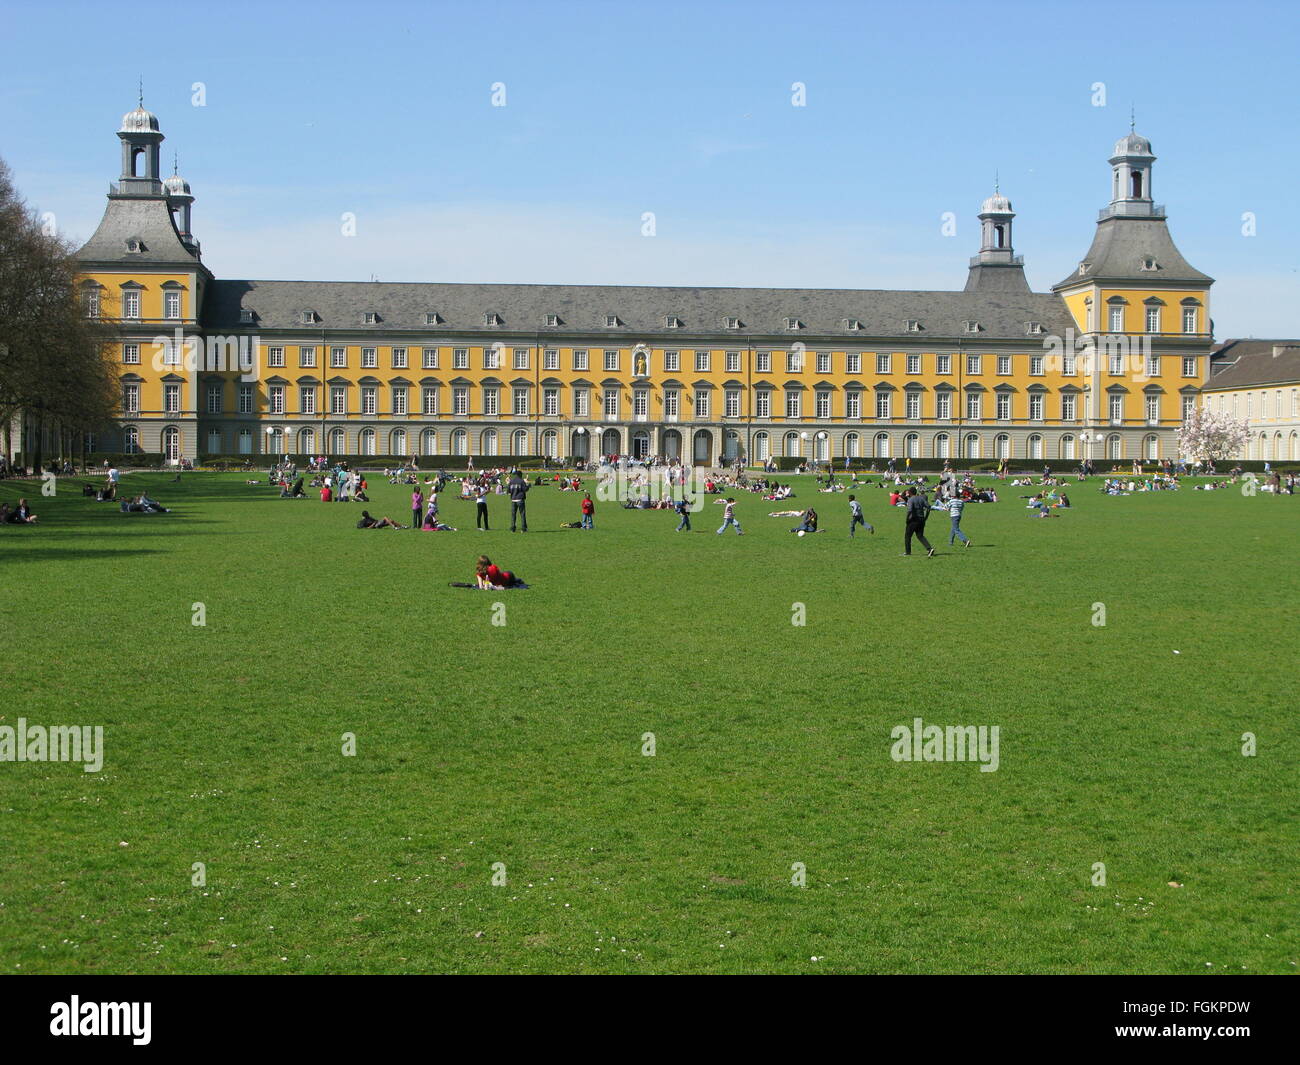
{"x": 487, "y": 574}
{"x": 809, "y": 523}
{"x": 367, "y": 522}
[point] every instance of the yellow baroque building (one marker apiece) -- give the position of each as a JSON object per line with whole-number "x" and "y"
{"x": 1104, "y": 366}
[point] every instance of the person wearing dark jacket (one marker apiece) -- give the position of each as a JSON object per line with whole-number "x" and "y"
{"x": 517, "y": 490}
{"x": 918, "y": 509}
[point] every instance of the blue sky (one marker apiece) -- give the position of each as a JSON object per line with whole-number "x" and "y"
{"x": 683, "y": 110}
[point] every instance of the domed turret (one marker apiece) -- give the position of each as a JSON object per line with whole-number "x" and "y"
{"x": 996, "y": 204}
{"x": 176, "y": 186}
{"x": 139, "y": 121}
{"x": 1133, "y": 144}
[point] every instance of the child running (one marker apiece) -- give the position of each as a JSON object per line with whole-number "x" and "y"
{"x": 729, "y": 518}
{"x": 856, "y": 518}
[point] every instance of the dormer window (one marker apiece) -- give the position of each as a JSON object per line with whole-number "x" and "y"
{"x": 611, "y": 321}
{"x": 432, "y": 318}
{"x": 732, "y": 323}
{"x": 135, "y": 245}
{"x": 1150, "y": 264}
{"x": 853, "y": 325}
{"x": 1083, "y": 267}
{"x": 793, "y": 323}
{"x": 912, "y": 325}
{"x": 552, "y": 319}
{"x": 308, "y": 317}
{"x": 491, "y": 318}
{"x": 370, "y": 318}
{"x": 671, "y": 321}
{"x": 972, "y": 327}
{"x": 246, "y": 316}
{"x": 1033, "y": 328}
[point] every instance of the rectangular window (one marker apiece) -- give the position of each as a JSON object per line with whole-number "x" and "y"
{"x": 92, "y": 303}
{"x": 762, "y": 403}
{"x": 1036, "y": 366}
{"x": 1117, "y": 319}
{"x": 792, "y": 404}
{"x": 853, "y": 362}
{"x": 853, "y": 404}
{"x": 732, "y": 408}
{"x": 943, "y": 406}
{"x": 972, "y": 365}
{"x": 520, "y": 406}
{"x": 276, "y": 396}
{"x": 822, "y": 404}
{"x": 914, "y": 364}
{"x": 275, "y": 356}
{"x": 640, "y": 403}
{"x": 172, "y": 305}
{"x": 130, "y": 304}
{"x": 369, "y": 358}
{"x": 1153, "y": 365}
{"x": 882, "y": 406}
{"x": 492, "y": 358}
{"x": 307, "y": 399}
{"x": 429, "y": 399}
{"x": 671, "y": 407}
{"x": 245, "y": 399}
{"x": 701, "y": 362}
{"x": 338, "y": 358}
{"x": 551, "y": 359}
{"x": 307, "y": 357}
{"x": 1153, "y": 319}
{"x": 460, "y": 359}
{"x": 399, "y": 400}
{"x": 1188, "y": 403}
{"x": 130, "y": 399}
{"x": 131, "y": 354}
{"x": 1153, "y": 409}
{"x": 1189, "y": 365}
{"x": 672, "y": 362}
{"x": 823, "y": 362}
{"x": 579, "y": 359}
{"x": 1116, "y": 365}
{"x": 369, "y": 399}
{"x": 794, "y": 362}
{"x": 1069, "y": 407}
{"x": 429, "y": 359}
{"x": 611, "y": 403}
{"x": 521, "y": 358}
{"x": 1068, "y": 365}
{"x": 399, "y": 359}
{"x": 1116, "y": 409}
{"x": 338, "y": 399}
{"x": 974, "y": 406}
{"x": 701, "y": 403}
{"x": 1004, "y": 406}
{"x": 763, "y": 362}
{"x": 733, "y": 362}
{"x": 490, "y": 404}
{"x": 943, "y": 364}
{"x": 581, "y": 403}
{"x": 611, "y": 360}
{"x": 1004, "y": 365}
{"x": 913, "y": 405}
{"x": 1035, "y": 406}
{"x": 882, "y": 363}
{"x": 1189, "y": 319}
{"x": 551, "y": 402}
{"x": 460, "y": 401}
{"x": 214, "y": 398}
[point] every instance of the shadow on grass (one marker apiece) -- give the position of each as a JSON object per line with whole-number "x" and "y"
{"x": 70, "y": 554}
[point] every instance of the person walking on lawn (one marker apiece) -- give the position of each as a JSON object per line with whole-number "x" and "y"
{"x": 918, "y": 509}
{"x": 856, "y": 518}
{"x": 517, "y": 490}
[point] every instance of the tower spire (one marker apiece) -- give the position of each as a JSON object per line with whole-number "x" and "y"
{"x": 140, "y": 97}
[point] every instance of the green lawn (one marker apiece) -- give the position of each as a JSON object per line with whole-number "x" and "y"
{"x": 521, "y": 743}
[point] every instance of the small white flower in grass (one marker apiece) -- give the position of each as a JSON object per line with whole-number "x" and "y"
{"x": 1178, "y": 652}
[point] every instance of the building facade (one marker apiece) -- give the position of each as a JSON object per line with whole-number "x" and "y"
{"x": 1103, "y": 366}
{"x": 1258, "y": 381}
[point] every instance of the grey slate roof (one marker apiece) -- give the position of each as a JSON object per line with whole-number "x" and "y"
{"x": 147, "y": 219}
{"x": 1251, "y": 363}
{"x": 641, "y": 310}
{"x": 1121, "y": 244}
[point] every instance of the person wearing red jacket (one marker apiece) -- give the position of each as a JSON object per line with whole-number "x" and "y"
{"x": 588, "y": 512}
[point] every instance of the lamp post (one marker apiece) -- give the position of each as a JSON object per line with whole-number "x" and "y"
{"x": 825, "y": 437}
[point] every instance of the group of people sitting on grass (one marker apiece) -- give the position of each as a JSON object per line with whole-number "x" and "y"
{"x": 19, "y": 514}
{"x": 342, "y": 485}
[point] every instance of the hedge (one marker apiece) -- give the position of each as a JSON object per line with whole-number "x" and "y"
{"x": 115, "y": 458}
{"x": 423, "y": 462}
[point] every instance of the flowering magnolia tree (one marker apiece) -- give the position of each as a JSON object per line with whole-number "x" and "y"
{"x": 1210, "y": 435}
